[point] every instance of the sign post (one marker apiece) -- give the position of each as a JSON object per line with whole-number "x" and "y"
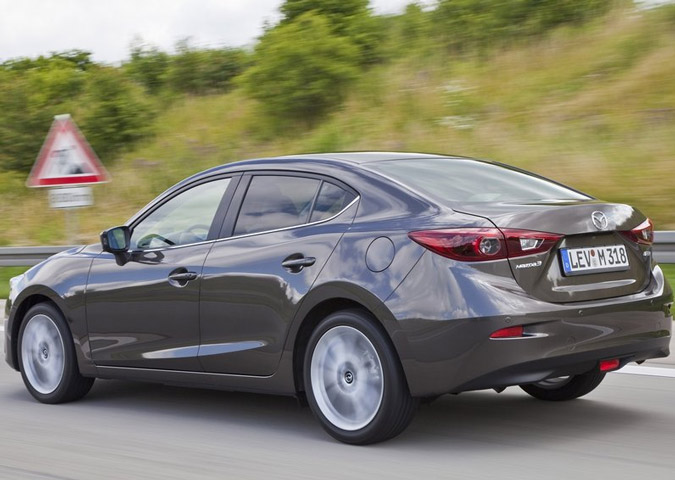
{"x": 67, "y": 165}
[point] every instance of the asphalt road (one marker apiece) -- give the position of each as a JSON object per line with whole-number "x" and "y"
{"x": 123, "y": 430}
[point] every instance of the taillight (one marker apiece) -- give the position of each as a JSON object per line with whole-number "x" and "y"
{"x": 481, "y": 244}
{"x": 528, "y": 242}
{"x": 642, "y": 234}
{"x": 464, "y": 244}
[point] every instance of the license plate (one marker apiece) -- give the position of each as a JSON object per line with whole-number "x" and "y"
{"x": 580, "y": 261}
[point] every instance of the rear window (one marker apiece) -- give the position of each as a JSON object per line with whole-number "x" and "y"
{"x": 470, "y": 181}
{"x": 273, "y": 202}
{"x": 331, "y": 201}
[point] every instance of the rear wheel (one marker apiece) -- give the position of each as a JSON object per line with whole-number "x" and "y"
{"x": 565, "y": 388}
{"x": 47, "y": 357}
{"x": 354, "y": 381}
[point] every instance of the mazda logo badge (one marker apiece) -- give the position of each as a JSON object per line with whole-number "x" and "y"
{"x": 599, "y": 220}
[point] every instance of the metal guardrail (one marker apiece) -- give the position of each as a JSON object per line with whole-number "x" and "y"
{"x": 28, "y": 256}
{"x": 664, "y": 247}
{"x": 664, "y": 252}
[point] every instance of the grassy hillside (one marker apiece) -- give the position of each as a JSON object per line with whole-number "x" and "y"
{"x": 591, "y": 106}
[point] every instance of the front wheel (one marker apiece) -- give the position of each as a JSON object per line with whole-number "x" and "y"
{"x": 565, "y": 388}
{"x": 47, "y": 357}
{"x": 354, "y": 381}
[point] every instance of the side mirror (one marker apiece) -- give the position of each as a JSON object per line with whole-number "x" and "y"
{"x": 116, "y": 240}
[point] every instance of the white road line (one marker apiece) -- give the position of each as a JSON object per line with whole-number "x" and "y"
{"x": 651, "y": 371}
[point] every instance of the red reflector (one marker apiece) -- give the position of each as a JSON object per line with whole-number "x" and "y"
{"x": 609, "y": 365}
{"x": 508, "y": 332}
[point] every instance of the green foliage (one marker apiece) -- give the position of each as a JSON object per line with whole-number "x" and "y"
{"x": 465, "y": 25}
{"x": 117, "y": 113}
{"x": 338, "y": 12}
{"x": 346, "y": 18}
{"x": 202, "y": 72}
{"x": 31, "y": 93}
{"x": 301, "y": 69}
{"x": 148, "y": 66}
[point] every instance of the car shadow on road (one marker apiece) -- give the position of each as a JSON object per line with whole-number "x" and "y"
{"x": 513, "y": 420}
{"x": 485, "y": 420}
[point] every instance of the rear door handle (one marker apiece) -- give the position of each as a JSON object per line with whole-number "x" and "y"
{"x": 296, "y": 264}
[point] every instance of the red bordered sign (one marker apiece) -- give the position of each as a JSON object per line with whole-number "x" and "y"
{"x": 66, "y": 158}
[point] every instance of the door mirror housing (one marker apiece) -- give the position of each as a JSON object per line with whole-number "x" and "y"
{"x": 116, "y": 240}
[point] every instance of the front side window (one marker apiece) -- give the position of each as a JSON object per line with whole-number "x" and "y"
{"x": 275, "y": 201}
{"x": 184, "y": 219}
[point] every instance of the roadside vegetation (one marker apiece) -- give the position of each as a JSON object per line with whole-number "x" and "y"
{"x": 577, "y": 90}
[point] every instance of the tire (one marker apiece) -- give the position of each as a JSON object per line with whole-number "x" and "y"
{"x": 47, "y": 357}
{"x": 354, "y": 381}
{"x": 561, "y": 389}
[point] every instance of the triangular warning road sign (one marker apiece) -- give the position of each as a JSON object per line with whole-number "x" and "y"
{"x": 66, "y": 158}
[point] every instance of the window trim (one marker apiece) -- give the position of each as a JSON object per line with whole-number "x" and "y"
{"x": 227, "y": 231}
{"x": 281, "y": 229}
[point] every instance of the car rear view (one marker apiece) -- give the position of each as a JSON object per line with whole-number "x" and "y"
{"x": 548, "y": 289}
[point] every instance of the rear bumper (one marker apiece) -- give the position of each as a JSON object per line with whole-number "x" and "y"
{"x": 441, "y": 354}
{"x": 533, "y": 369}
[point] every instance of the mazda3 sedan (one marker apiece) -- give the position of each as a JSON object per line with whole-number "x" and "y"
{"x": 361, "y": 282}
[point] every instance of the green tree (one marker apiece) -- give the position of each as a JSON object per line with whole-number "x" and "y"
{"x": 301, "y": 69}
{"x": 338, "y": 12}
{"x": 347, "y": 18}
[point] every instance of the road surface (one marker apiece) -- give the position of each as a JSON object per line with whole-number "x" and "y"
{"x": 625, "y": 429}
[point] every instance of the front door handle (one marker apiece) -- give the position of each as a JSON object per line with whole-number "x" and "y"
{"x": 180, "y": 277}
{"x": 296, "y": 264}
{"x": 183, "y": 276}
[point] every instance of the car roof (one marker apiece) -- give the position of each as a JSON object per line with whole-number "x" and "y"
{"x": 311, "y": 163}
{"x": 361, "y": 157}
{"x": 337, "y": 158}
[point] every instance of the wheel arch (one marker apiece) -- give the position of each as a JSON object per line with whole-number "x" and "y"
{"x": 324, "y": 301}
{"x": 20, "y": 309}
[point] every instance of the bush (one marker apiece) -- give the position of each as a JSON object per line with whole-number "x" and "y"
{"x": 117, "y": 113}
{"x": 202, "y": 72}
{"x": 346, "y": 18}
{"x": 476, "y": 24}
{"x": 301, "y": 69}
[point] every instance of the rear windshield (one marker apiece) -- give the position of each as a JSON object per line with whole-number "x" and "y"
{"x": 457, "y": 180}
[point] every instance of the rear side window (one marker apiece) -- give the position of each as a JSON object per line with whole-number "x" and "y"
{"x": 457, "y": 180}
{"x": 274, "y": 201}
{"x": 331, "y": 200}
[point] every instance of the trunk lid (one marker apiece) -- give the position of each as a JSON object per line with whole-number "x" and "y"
{"x": 543, "y": 275}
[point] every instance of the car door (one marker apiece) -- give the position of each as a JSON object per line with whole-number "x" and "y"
{"x": 143, "y": 307}
{"x": 281, "y": 233}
